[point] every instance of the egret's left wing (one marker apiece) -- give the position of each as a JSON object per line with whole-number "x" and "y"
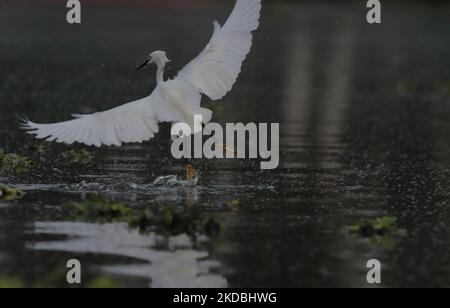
{"x": 216, "y": 69}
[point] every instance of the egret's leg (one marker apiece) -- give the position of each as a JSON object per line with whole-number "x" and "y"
{"x": 224, "y": 146}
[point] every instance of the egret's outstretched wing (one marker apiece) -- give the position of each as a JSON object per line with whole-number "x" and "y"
{"x": 216, "y": 69}
{"x": 133, "y": 122}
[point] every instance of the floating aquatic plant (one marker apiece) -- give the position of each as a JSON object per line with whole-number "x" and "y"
{"x": 102, "y": 282}
{"x": 11, "y": 283}
{"x": 103, "y": 210}
{"x": 58, "y": 278}
{"x": 12, "y": 164}
{"x": 172, "y": 220}
{"x": 8, "y": 193}
{"x": 382, "y": 230}
{"x": 408, "y": 88}
{"x": 404, "y": 87}
{"x": 235, "y": 202}
{"x": 79, "y": 156}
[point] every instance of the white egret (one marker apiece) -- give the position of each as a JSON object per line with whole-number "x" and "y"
{"x": 213, "y": 73}
{"x": 192, "y": 178}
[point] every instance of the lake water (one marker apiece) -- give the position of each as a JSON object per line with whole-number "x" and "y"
{"x": 364, "y": 113}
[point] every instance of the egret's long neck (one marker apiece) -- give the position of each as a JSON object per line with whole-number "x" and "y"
{"x": 160, "y": 73}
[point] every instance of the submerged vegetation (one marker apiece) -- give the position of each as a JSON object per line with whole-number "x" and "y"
{"x": 102, "y": 282}
{"x": 175, "y": 222}
{"x": 56, "y": 276}
{"x": 54, "y": 153}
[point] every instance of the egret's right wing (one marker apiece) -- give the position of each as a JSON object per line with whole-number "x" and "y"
{"x": 216, "y": 69}
{"x": 133, "y": 122}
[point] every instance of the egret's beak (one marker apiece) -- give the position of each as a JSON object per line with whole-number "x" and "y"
{"x": 143, "y": 65}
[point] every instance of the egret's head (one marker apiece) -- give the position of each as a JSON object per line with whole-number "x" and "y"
{"x": 158, "y": 57}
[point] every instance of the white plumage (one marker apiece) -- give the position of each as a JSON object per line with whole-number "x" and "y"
{"x": 212, "y": 73}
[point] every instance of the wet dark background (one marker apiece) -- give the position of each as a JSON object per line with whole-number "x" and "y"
{"x": 364, "y": 113}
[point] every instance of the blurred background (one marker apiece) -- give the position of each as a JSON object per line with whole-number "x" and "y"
{"x": 364, "y": 113}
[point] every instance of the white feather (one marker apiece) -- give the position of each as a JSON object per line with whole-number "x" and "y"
{"x": 216, "y": 69}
